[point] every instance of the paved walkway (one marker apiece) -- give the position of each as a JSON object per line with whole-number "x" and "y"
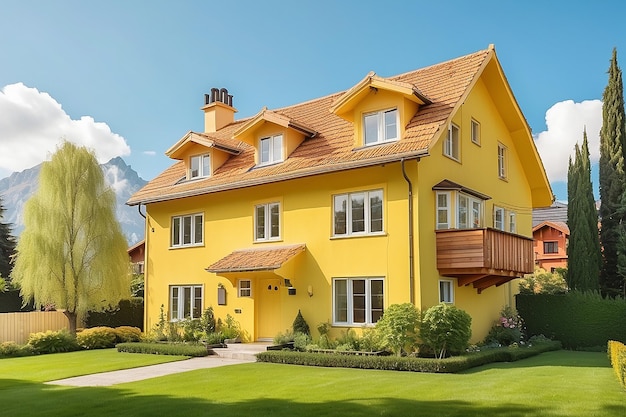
{"x": 233, "y": 355}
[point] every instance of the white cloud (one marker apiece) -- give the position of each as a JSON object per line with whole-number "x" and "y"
{"x": 33, "y": 124}
{"x": 149, "y": 153}
{"x": 566, "y": 121}
{"x": 113, "y": 178}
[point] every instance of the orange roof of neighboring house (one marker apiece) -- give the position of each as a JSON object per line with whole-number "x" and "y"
{"x": 329, "y": 146}
{"x": 257, "y": 259}
{"x": 560, "y": 226}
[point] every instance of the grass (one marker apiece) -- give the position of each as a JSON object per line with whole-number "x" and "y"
{"x": 552, "y": 384}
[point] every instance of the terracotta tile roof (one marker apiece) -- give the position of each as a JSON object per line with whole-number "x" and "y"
{"x": 257, "y": 259}
{"x": 560, "y": 226}
{"x": 332, "y": 149}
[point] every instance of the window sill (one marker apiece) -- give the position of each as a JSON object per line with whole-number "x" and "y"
{"x": 370, "y": 145}
{"x": 377, "y": 234}
{"x": 198, "y": 245}
{"x": 453, "y": 158}
{"x": 348, "y": 325}
{"x": 276, "y": 239}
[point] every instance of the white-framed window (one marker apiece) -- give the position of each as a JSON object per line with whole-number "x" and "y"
{"x": 475, "y": 132}
{"x": 469, "y": 212}
{"x": 270, "y": 149}
{"x": 185, "y": 302}
{"x": 381, "y": 126}
{"x": 357, "y": 300}
{"x": 551, "y": 247}
{"x": 267, "y": 222}
{"x": 443, "y": 210}
{"x": 358, "y": 213}
{"x": 200, "y": 166}
{"x": 446, "y": 291}
{"x": 498, "y": 218}
{"x": 187, "y": 230}
{"x": 502, "y": 161}
{"x": 244, "y": 288}
{"x": 451, "y": 144}
{"x": 512, "y": 222}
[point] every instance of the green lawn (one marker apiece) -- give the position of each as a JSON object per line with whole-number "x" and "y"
{"x": 559, "y": 383}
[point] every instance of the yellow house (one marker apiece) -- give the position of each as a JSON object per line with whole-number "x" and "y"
{"x": 413, "y": 188}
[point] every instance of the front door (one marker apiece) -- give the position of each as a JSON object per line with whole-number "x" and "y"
{"x": 268, "y": 308}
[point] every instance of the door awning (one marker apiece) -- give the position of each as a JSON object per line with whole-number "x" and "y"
{"x": 256, "y": 259}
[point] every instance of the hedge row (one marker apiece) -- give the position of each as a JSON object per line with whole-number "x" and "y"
{"x": 617, "y": 355}
{"x": 406, "y": 363}
{"x": 578, "y": 320}
{"x": 179, "y": 349}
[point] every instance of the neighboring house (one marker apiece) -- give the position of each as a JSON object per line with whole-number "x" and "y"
{"x": 137, "y": 256}
{"x": 413, "y": 188}
{"x": 551, "y": 245}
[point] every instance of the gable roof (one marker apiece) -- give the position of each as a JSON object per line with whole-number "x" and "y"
{"x": 557, "y": 212}
{"x": 443, "y": 87}
{"x": 256, "y": 259}
{"x": 560, "y": 226}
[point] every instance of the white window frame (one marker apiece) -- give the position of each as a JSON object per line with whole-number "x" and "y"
{"x": 263, "y": 232}
{"x": 475, "y": 131}
{"x": 512, "y": 222}
{"x": 275, "y": 150}
{"x": 502, "y": 161}
{"x": 203, "y": 169}
{"x": 369, "y": 222}
{"x": 447, "y": 209}
{"x": 369, "y": 309}
{"x": 498, "y": 218}
{"x": 177, "y": 238}
{"x": 446, "y": 291}
{"x": 380, "y": 118}
{"x": 452, "y": 143}
{"x": 244, "y": 288}
{"x": 178, "y": 313}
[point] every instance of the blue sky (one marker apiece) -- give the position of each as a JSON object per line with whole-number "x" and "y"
{"x": 128, "y": 78}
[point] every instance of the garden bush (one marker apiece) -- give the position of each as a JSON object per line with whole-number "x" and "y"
{"x": 52, "y": 342}
{"x": 300, "y": 325}
{"x": 399, "y": 327}
{"x": 13, "y": 350}
{"x": 127, "y": 334}
{"x": 96, "y": 338}
{"x": 446, "y": 329}
{"x": 179, "y": 349}
{"x": 617, "y": 356}
{"x": 507, "y": 330}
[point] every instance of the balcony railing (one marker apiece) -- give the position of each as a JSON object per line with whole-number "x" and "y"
{"x": 483, "y": 257}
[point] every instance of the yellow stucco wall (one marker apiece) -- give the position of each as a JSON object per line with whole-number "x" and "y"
{"x": 306, "y": 217}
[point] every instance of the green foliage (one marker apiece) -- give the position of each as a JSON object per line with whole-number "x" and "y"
{"x": 543, "y": 282}
{"x": 446, "y": 328}
{"x": 178, "y": 349}
{"x": 323, "y": 328}
{"x": 137, "y": 285}
{"x": 52, "y": 342}
{"x": 301, "y": 341}
{"x": 577, "y": 319}
{"x": 207, "y": 321}
{"x": 126, "y": 313}
{"x": 13, "y": 350}
{"x": 230, "y": 328}
{"x": 127, "y": 334}
{"x": 399, "y": 327}
{"x": 72, "y": 252}
{"x": 507, "y": 330}
{"x": 405, "y": 363}
{"x": 371, "y": 340}
{"x": 96, "y": 338}
{"x": 300, "y": 325}
{"x": 283, "y": 337}
{"x": 617, "y": 356}
{"x": 7, "y": 247}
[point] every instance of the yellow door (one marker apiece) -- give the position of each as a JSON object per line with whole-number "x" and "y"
{"x": 268, "y": 309}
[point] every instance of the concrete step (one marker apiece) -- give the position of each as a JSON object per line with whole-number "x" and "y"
{"x": 241, "y": 351}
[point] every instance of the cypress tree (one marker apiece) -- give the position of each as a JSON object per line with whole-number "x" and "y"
{"x": 612, "y": 177}
{"x": 583, "y": 251}
{"x": 7, "y": 246}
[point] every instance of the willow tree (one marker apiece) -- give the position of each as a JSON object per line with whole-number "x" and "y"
{"x": 72, "y": 252}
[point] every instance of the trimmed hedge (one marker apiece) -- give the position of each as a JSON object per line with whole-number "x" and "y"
{"x": 127, "y": 313}
{"x": 578, "y": 320}
{"x": 406, "y": 363}
{"x": 178, "y": 349}
{"x": 617, "y": 355}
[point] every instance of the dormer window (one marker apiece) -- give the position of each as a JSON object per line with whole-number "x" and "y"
{"x": 200, "y": 166}
{"x": 271, "y": 150}
{"x": 380, "y": 126}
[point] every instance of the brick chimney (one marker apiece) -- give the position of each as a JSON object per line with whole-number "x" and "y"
{"x": 218, "y": 110}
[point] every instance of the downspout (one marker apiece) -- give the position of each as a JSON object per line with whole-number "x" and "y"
{"x": 145, "y": 269}
{"x": 411, "y": 239}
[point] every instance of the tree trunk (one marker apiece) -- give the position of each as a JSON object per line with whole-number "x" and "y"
{"x": 71, "y": 318}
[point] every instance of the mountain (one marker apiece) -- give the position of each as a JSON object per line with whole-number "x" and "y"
{"x": 16, "y": 189}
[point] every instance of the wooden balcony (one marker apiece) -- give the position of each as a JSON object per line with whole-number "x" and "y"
{"x": 483, "y": 257}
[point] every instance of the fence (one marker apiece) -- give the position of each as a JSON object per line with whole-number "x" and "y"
{"x": 17, "y": 327}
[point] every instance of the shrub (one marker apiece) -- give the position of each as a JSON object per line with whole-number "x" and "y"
{"x": 178, "y": 349}
{"x": 52, "y": 342}
{"x": 126, "y": 313}
{"x": 301, "y": 341}
{"x": 207, "y": 321}
{"x": 507, "y": 330}
{"x": 543, "y": 282}
{"x": 446, "y": 328}
{"x": 13, "y": 350}
{"x": 283, "y": 338}
{"x": 230, "y": 328}
{"x": 399, "y": 327}
{"x": 617, "y": 356}
{"x": 347, "y": 340}
{"x": 127, "y": 334}
{"x": 371, "y": 340}
{"x": 192, "y": 330}
{"x": 300, "y": 325}
{"x": 97, "y": 338}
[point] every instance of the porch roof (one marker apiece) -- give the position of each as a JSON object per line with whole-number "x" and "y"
{"x": 256, "y": 259}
